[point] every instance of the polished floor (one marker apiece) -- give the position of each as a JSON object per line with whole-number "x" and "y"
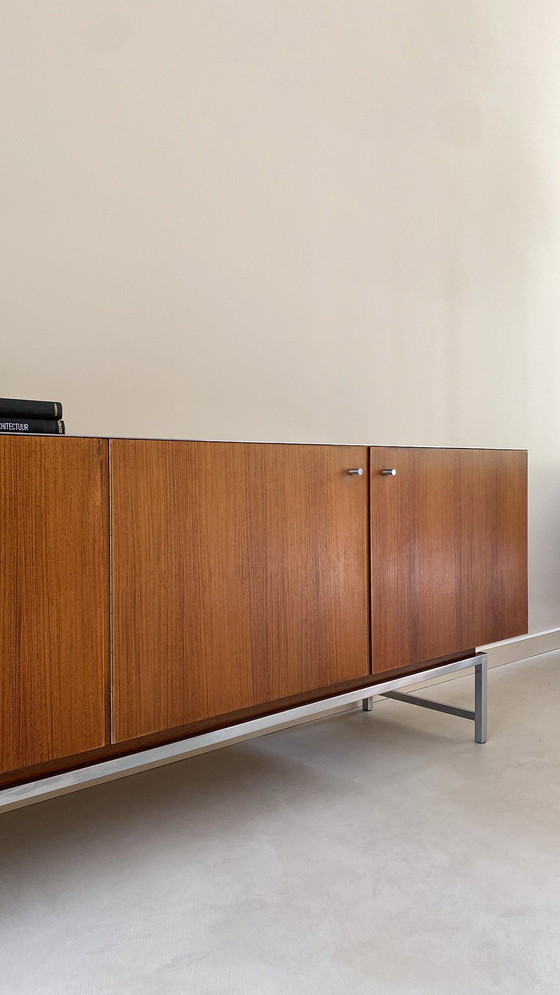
{"x": 379, "y": 852}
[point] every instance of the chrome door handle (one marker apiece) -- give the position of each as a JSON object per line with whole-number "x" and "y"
{"x": 356, "y": 473}
{"x": 389, "y": 473}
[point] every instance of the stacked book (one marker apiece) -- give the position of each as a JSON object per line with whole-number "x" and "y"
{"x": 31, "y": 417}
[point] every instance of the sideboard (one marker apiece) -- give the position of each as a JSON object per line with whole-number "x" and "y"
{"x": 154, "y": 591}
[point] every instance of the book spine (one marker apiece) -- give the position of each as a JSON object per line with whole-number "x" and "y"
{"x": 15, "y": 408}
{"x": 32, "y": 426}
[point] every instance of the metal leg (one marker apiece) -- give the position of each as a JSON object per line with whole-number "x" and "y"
{"x": 367, "y": 704}
{"x": 478, "y": 716}
{"x": 480, "y": 696}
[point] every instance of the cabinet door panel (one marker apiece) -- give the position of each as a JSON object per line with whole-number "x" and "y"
{"x": 240, "y": 576}
{"x": 449, "y": 552}
{"x": 54, "y": 598}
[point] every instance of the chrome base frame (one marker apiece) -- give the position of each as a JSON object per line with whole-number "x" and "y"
{"x": 478, "y": 716}
{"x": 108, "y": 770}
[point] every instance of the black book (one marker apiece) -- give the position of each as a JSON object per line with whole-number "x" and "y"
{"x": 31, "y": 426}
{"x": 12, "y": 408}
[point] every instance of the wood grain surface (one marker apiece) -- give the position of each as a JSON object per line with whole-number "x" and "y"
{"x": 240, "y": 576}
{"x": 449, "y": 551}
{"x": 54, "y": 598}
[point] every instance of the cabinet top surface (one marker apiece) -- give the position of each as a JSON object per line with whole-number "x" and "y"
{"x": 253, "y": 442}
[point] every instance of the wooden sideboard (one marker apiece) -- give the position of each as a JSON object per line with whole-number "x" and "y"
{"x": 153, "y": 590}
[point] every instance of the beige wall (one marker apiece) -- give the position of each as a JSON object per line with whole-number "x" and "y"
{"x": 322, "y": 221}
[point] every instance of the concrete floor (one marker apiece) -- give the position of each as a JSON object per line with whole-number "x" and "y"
{"x": 365, "y": 853}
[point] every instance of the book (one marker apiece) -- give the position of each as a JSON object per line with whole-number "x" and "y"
{"x": 16, "y": 408}
{"x": 32, "y": 426}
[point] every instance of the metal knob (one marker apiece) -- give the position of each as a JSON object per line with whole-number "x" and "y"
{"x": 389, "y": 473}
{"x": 356, "y": 473}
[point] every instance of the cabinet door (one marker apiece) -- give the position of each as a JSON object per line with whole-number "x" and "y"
{"x": 240, "y": 576}
{"x": 54, "y": 598}
{"x": 449, "y": 552}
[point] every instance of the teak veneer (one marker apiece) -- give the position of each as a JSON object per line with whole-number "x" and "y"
{"x": 154, "y": 589}
{"x": 249, "y": 561}
{"x": 54, "y": 599}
